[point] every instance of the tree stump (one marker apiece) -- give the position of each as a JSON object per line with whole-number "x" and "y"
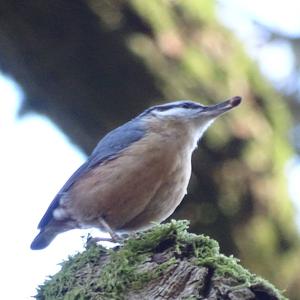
{"x": 165, "y": 262}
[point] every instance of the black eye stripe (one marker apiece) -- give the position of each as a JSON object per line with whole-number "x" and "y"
{"x": 190, "y": 105}
{"x": 165, "y": 107}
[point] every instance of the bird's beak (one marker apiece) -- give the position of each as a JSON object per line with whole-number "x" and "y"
{"x": 218, "y": 109}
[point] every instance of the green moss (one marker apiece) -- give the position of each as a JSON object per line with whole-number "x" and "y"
{"x": 98, "y": 273}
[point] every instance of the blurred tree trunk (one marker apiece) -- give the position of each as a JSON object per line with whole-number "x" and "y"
{"x": 91, "y": 65}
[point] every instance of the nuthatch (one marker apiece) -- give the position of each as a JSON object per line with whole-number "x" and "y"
{"x": 137, "y": 174}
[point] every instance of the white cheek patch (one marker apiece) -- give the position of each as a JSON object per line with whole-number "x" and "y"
{"x": 176, "y": 111}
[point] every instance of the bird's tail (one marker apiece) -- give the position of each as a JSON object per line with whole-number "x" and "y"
{"x": 44, "y": 238}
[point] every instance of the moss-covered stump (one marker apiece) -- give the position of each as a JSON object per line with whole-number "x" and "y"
{"x": 165, "y": 262}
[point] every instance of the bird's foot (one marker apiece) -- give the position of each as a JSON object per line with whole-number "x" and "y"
{"x": 92, "y": 241}
{"x": 115, "y": 238}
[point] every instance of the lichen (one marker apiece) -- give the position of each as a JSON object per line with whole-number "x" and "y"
{"x": 99, "y": 273}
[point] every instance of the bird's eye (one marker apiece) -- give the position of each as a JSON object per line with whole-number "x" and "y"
{"x": 190, "y": 105}
{"x": 185, "y": 105}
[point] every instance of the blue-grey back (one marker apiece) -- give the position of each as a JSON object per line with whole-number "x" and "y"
{"x": 117, "y": 140}
{"x": 108, "y": 148}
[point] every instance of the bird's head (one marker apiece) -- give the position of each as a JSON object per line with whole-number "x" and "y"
{"x": 192, "y": 115}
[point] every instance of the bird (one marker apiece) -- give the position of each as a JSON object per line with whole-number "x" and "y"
{"x": 137, "y": 174}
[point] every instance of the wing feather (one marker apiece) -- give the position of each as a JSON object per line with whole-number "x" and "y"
{"x": 107, "y": 149}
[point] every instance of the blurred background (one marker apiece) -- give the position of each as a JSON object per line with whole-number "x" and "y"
{"x": 72, "y": 70}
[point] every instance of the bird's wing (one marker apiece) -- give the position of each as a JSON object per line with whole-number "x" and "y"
{"x": 55, "y": 202}
{"x": 107, "y": 149}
